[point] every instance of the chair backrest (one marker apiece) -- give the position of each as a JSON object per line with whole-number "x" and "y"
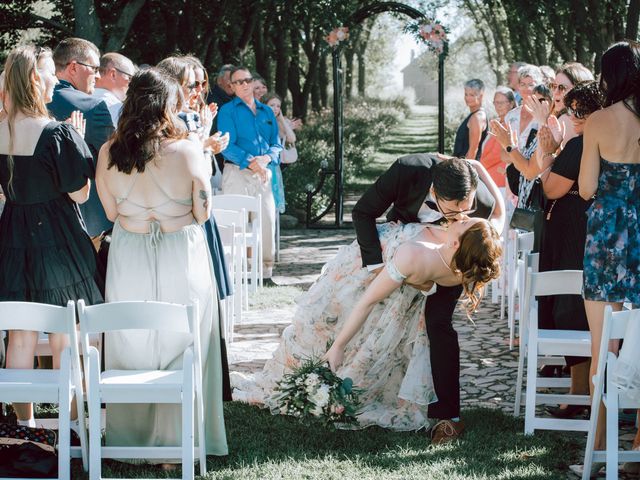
{"x": 145, "y": 315}
{"x": 37, "y": 317}
{"x": 614, "y": 327}
{"x": 237, "y": 202}
{"x": 524, "y": 241}
{"x": 230, "y": 217}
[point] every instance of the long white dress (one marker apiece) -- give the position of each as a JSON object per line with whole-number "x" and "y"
{"x": 388, "y": 358}
{"x": 170, "y": 267}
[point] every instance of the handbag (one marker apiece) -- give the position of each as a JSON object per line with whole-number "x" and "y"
{"x": 530, "y": 218}
{"x": 289, "y": 155}
{"x": 27, "y": 452}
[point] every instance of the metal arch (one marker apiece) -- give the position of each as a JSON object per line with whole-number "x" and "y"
{"x": 338, "y": 127}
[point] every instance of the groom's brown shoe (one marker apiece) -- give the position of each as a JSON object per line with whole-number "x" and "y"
{"x": 446, "y": 431}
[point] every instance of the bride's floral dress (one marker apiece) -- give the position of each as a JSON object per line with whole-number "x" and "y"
{"x": 388, "y": 358}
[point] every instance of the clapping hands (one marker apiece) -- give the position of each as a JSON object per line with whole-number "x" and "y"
{"x": 539, "y": 110}
{"x": 217, "y": 142}
{"x": 503, "y": 133}
{"x": 78, "y": 121}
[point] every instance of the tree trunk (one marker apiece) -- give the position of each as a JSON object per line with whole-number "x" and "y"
{"x": 633, "y": 17}
{"x": 89, "y": 27}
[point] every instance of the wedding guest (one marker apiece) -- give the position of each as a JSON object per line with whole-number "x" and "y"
{"x": 520, "y": 119}
{"x": 253, "y": 151}
{"x": 503, "y": 101}
{"x": 220, "y": 94}
{"x": 115, "y": 74}
{"x": 513, "y": 82}
{"x": 547, "y": 74}
{"x": 567, "y": 76}
{"x": 564, "y": 231}
{"x": 77, "y": 68}
{"x": 473, "y": 129}
{"x": 45, "y": 169}
{"x": 260, "y": 88}
{"x": 186, "y": 71}
{"x": 154, "y": 184}
{"x": 287, "y": 140}
{"x": 610, "y": 169}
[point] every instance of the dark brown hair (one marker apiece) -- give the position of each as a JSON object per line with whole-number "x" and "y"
{"x": 477, "y": 260}
{"x": 148, "y": 118}
{"x": 454, "y": 179}
{"x": 620, "y": 77}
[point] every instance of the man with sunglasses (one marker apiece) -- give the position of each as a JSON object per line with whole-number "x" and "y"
{"x": 430, "y": 188}
{"x": 253, "y": 152}
{"x": 115, "y": 74}
{"x": 77, "y": 68}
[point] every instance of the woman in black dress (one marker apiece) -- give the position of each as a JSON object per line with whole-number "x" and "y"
{"x": 565, "y": 229}
{"x": 46, "y": 255}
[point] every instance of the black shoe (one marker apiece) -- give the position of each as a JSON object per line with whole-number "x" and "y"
{"x": 571, "y": 411}
{"x": 268, "y": 282}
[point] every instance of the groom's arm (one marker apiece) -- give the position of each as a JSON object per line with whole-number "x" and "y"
{"x": 371, "y": 205}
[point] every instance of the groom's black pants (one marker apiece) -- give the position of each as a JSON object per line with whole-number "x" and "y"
{"x": 444, "y": 351}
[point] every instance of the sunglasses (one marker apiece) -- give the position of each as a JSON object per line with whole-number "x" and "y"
{"x": 95, "y": 69}
{"x": 559, "y": 86}
{"x": 240, "y": 81}
{"x": 577, "y": 113}
{"x": 455, "y": 213}
{"x": 542, "y": 100}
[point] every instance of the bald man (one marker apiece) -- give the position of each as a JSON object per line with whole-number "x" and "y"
{"x": 115, "y": 74}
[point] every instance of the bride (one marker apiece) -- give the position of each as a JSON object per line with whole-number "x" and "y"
{"x": 380, "y": 340}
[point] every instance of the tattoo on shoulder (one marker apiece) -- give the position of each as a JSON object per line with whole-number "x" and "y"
{"x": 204, "y": 195}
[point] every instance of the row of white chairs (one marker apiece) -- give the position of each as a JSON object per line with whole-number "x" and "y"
{"x": 183, "y": 387}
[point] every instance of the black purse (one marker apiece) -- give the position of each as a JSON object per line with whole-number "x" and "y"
{"x": 531, "y": 217}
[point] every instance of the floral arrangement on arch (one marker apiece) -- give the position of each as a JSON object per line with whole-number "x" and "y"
{"x": 313, "y": 393}
{"x": 337, "y": 35}
{"x": 432, "y": 33}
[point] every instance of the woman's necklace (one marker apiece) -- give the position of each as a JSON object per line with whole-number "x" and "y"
{"x": 443, "y": 260}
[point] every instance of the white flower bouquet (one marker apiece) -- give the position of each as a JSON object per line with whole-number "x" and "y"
{"x": 314, "y": 393}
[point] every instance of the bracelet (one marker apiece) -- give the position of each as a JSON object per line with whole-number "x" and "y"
{"x": 549, "y": 154}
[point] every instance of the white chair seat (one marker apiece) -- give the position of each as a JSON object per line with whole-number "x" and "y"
{"x": 564, "y": 342}
{"x": 25, "y": 386}
{"x": 141, "y": 386}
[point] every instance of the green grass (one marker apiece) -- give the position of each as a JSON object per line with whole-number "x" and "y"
{"x": 263, "y": 446}
{"x": 273, "y": 297}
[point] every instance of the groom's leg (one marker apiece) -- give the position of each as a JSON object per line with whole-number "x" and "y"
{"x": 444, "y": 351}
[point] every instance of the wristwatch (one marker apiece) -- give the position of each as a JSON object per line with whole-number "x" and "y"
{"x": 510, "y": 148}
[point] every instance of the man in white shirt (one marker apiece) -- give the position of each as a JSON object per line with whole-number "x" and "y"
{"x": 116, "y": 71}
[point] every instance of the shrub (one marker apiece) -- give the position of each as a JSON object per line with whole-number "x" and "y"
{"x": 366, "y": 122}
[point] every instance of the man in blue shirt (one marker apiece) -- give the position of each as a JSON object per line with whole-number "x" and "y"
{"x": 252, "y": 155}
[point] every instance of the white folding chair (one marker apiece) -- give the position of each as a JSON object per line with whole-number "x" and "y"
{"x": 238, "y": 243}
{"x": 519, "y": 245}
{"x": 253, "y": 207}
{"x": 144, "y": 386}
{"x": 48, "y": 386}
{"x": 614, "y": 328}
{"x": 542, "y": 342}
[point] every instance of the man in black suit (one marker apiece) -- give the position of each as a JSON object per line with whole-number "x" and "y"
{"x": 77, "y": 67}
{"x": 430, "y": 189}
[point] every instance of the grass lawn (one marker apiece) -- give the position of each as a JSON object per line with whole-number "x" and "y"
{"x": 263, "y": 446}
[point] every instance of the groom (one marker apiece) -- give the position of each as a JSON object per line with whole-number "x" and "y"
{"x": 429, "y": 189}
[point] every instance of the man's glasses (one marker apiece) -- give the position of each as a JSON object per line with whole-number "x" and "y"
{"x": 126, "y": 75}
{"x": 240, "y": 81}
{"x": 455, "y": 213}
{"x": 93, "y": 67}
{"x": 559, "y": 86}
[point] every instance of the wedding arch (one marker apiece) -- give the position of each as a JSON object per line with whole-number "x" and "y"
{"x": 432, "y": 33}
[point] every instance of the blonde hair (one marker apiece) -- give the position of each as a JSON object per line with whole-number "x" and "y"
{"x": 22, "y": 91}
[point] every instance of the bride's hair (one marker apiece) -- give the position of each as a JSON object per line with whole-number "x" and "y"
{"x": 477, "y": 260}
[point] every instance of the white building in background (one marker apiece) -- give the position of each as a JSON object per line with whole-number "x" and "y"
{"x": 415, "y": 76}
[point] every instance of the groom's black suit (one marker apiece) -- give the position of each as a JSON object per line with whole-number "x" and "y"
{"x": 404, "y": 188}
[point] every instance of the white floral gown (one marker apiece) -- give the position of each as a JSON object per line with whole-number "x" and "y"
{"x": 388, "y": 358}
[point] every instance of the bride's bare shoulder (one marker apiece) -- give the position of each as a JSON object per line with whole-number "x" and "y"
{"x": 412, "y": 257}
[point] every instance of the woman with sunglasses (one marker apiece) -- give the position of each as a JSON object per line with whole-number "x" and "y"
{"x": 564, "y": 231}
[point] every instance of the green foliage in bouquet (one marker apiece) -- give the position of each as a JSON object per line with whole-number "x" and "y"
{"x": 313, "y": 393}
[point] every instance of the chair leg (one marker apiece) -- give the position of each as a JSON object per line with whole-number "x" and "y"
{"x": 593, "y": 423}
{"x": 64, "y": 418}
{"x": 532, "y": 367}
{"x": 95, "y": 448}
{"x": 612, "y": 430}
{"x": 519, "y": 379}
{"x": 188, "y": 471}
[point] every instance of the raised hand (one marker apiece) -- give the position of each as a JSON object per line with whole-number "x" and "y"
{"x": 503, "y": 133}
{"x": 217, "y": 142}
{"x": 77, "y": 120}
{"x": 213, "y": 108}
{"x": 539, "y": 110}
{"x": 557, "y": 128}
{"x": 546, "y": 140}
{"x": 295, "y": 123}
{"x": 206, "y": 117}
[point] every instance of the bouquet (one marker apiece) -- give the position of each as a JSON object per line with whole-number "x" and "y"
{"x": 313, "y": 393}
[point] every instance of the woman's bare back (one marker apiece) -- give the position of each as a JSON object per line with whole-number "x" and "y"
{"x": 618, "y": 131}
